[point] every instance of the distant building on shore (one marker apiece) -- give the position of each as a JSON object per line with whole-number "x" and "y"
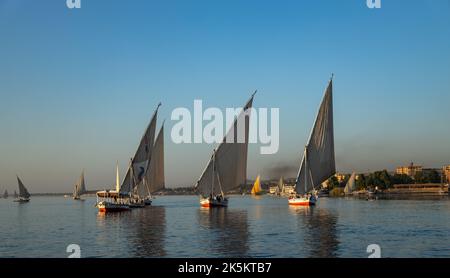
{"x": 446, "y": 173}
{"x": 409, "y": 170}
{"x": 289, "y": 189}
{"x": 340, "y": 177}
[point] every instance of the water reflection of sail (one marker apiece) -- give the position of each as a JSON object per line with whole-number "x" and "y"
{"x": 320, "y": 233}
{"x": 142, "y": 232}
{"x": 227, "y": 231}
{"x": 150, "y": 232}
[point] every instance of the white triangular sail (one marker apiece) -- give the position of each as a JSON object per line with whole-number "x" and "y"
{"x": 23, "y": 192}
{"x": 155, "y": 174}
{"x": 319, "y": 152}
{"x": 80, "y": 186}
{"x": 281, "y": 185}
{"x": 351, "y": 184}
{"x": 141, "y": 158}
{"x": 117, "y": 177}
{"x": 75, "y": 191}
{"x": 228, "y": 164}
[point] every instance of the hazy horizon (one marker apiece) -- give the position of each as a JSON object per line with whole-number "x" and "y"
{"x": 78, "y": 87}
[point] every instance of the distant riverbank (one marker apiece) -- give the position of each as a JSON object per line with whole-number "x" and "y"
{"x": 427, "y": 189}
{"x": 166, "y": 191}
{"x": 401, "y": 189}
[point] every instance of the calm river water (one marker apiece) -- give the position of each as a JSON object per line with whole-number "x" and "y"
{"x": 175, "y": 226}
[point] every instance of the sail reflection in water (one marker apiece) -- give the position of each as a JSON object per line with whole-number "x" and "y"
{"x": 142, "y": 230}
{"x": 320, "y": 231}
{"x": 150, "y": 232}
{"x": 226, "y": 231}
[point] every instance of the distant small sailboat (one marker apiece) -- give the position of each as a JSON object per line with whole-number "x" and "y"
{"x": 15, "y": 195}
{"x": 280, "y": 189}
{"x": 318, "y": 162}
{"x": 351, "y": 185}
{"x": 79, "y": 188}
{"x": 227, "y": 167}
{"x": 5, "y": 195}
{"x": 24, "y": 195}
{"x": 256, "y": 189}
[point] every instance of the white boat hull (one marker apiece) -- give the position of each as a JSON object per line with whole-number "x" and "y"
{"x": 302, "y": 201}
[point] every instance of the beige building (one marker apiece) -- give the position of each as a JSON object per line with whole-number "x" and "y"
{"x": 409, "y": 170}
{"x": 340, "y": 177}
{"x": 273, "y": 189}
{"x": 446, "y": 172}
{"x": 289, "y": 189}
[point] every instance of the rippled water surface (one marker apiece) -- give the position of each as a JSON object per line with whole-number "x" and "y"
{"x": 175, "y": 226}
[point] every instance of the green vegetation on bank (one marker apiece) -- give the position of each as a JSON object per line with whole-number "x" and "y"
{"x": 383, "y": 180}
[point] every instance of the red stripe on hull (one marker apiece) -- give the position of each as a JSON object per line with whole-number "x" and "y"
{"x": 302, "y": 204}
{"x": 112, "y": 209}
{"x": 213, "y": 204}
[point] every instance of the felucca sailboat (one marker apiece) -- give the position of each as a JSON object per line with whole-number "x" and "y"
{"x": 318, "y": 162}
{"x": 280, "y": 189}
{"x": 227, "y": 167}
{"x": 256, "y": 189}
{"x": 5, "y": 195}
{"x": 24, "y": 196}
{"x": 351, "y": 185}
{"x": 134, "y": 182}
{"x": 79, "y": 188}
{"x": 129, "y": 192}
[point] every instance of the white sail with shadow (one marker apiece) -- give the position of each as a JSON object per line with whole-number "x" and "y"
{"x": 155, "y": 174}
{"x": 227, "y": 167}
{"x": 79, "y": 187}
{"x": 351, "y": 184}
{"x": 141, "y": 159}
{"x": 24, "y": 195}
{"x": 318, "y": 162}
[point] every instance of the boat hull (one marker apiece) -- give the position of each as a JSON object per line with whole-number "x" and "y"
{"x": 212, "y": 203}
{"x": 111, "y": 207}
{"x": 148, "y": 202}
{"x": 137, "y": 205}
{"x": 22, "y": 200}
{"x": 302, "y": 201}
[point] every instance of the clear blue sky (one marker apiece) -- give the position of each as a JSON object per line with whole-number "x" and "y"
{"x": 78, "y": 87}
